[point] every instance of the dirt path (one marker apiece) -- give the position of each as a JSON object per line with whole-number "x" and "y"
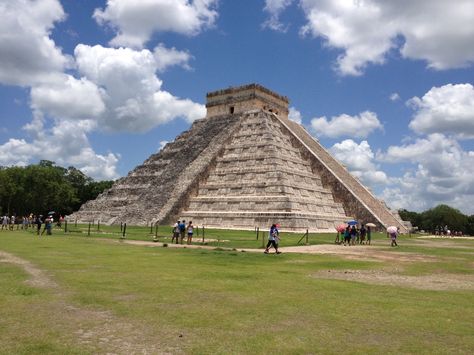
{"x": 440, "y": 282}
{"x": 99, "y": 331}
{"x": 362, "y": 252}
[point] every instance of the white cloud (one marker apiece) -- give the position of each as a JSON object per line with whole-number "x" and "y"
{"x": 136, "y": 21}
{"x": 437, "y": 31}
{"x": 395, "y": 96}
{"x": 66, "y": 144}
{"x": 274, "y": 8}
{"x": 130, "y": 89}
{"x": 167, "y": 57}
{"x": 359, "y": 126}
{"x": 68, "y": 97}
{"x": 359, "y": 160}
{"x": 448, "y": 109}
{"x": 443, "y": 174}
{"x": 295, "y": 115}
{"x": 27, "y": 54}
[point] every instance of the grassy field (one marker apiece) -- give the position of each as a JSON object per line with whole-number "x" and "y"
{"x": 213, "y": 237}
{"x": 79, "y": 294}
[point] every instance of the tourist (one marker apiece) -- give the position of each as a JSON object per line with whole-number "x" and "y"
{"x": 273, "y": 238}
{"x": 369, "y": 235}
{"x": 182, "y": 230}
{"x": 24, "y": 223}
{"x": 5, "y": 222}
{"x": 393, "y": 238}
{"x": 39, "y": 222}
{"x": 353, "y": 235}
{"x": 190, "y": 229}
{"x": 363, "y": 233}
{"x": 12, "y": 222}
{"x": 175, "y": 233}
{"x": 347, "y": 236}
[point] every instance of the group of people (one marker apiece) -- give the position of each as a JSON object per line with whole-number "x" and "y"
{"x": 445, "y": 231}
{"x": 353, "y": 235}
{"x": 179, "y": 232}
{"x": 7, "y": 222}
{"x": 29, "y": 222}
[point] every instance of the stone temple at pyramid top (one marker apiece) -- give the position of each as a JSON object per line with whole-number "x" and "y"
{"x": 240, "y": 99}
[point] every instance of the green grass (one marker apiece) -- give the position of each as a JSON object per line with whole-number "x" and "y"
{"x": 228, "y": 301}
{"x": 213, "y": 237}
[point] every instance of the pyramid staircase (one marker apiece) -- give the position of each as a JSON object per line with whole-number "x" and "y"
{"x": 260, "y": 179}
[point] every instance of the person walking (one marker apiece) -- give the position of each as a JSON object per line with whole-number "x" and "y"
{"x": 393, "y": 238}
{"x": 273, "y": 238}
{"x": 190, "y": 229}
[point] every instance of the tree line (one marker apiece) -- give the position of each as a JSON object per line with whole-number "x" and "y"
{"x": 439, "y": 217}
{"x": 44, "y": 187}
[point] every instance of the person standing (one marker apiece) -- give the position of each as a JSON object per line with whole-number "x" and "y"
{"x": 182, "y": 230}
{"x": 48, "y": 226}
{"x": 347, "y": 236}
{"x": 273, "y": 238}
{"x": 39, "y": 222}
{"x": 369, "y": 235}
{"x": 175, "y": 233}
{"x": 353, "y": 235}
{"x": 5, "y": 222}
{"x": 190, "y": 229}
{"x": 363, "y": 233}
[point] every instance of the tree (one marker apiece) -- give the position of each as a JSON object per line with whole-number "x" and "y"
{"x": 470, "y": 225}
{"x": 413, "y": 217}
{"x": 443, "y": 215}
{"x": 44, "y": 187}
{"x": 12, "y": 189}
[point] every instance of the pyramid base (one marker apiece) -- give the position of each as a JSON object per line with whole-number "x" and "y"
{"x": 289, "y": 222}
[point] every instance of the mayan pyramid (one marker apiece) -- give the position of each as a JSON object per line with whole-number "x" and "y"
{"x": 244, "y": 165}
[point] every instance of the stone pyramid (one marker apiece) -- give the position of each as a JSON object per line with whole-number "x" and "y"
{"x": 244, "y": 165}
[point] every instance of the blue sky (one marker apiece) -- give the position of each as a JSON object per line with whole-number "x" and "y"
{"x": 387, "y": 87}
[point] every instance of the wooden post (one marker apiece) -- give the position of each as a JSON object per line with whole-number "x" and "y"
{"x": 124, "y": 230}
{"x": 263, "y": 239}
{"x": 197, "y": 231}
{"x": 307, "y": 235}
{"x": 203, "y": 234}
{"x": 98, "y": 224}
{"x": 89, "y": 230}
{"x": 155, "y": 238}
{"x": 65, "y": 226}
{"x": 257, "y": 230}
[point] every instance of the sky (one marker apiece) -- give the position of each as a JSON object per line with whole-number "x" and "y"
{"x": 386, "y": 86}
